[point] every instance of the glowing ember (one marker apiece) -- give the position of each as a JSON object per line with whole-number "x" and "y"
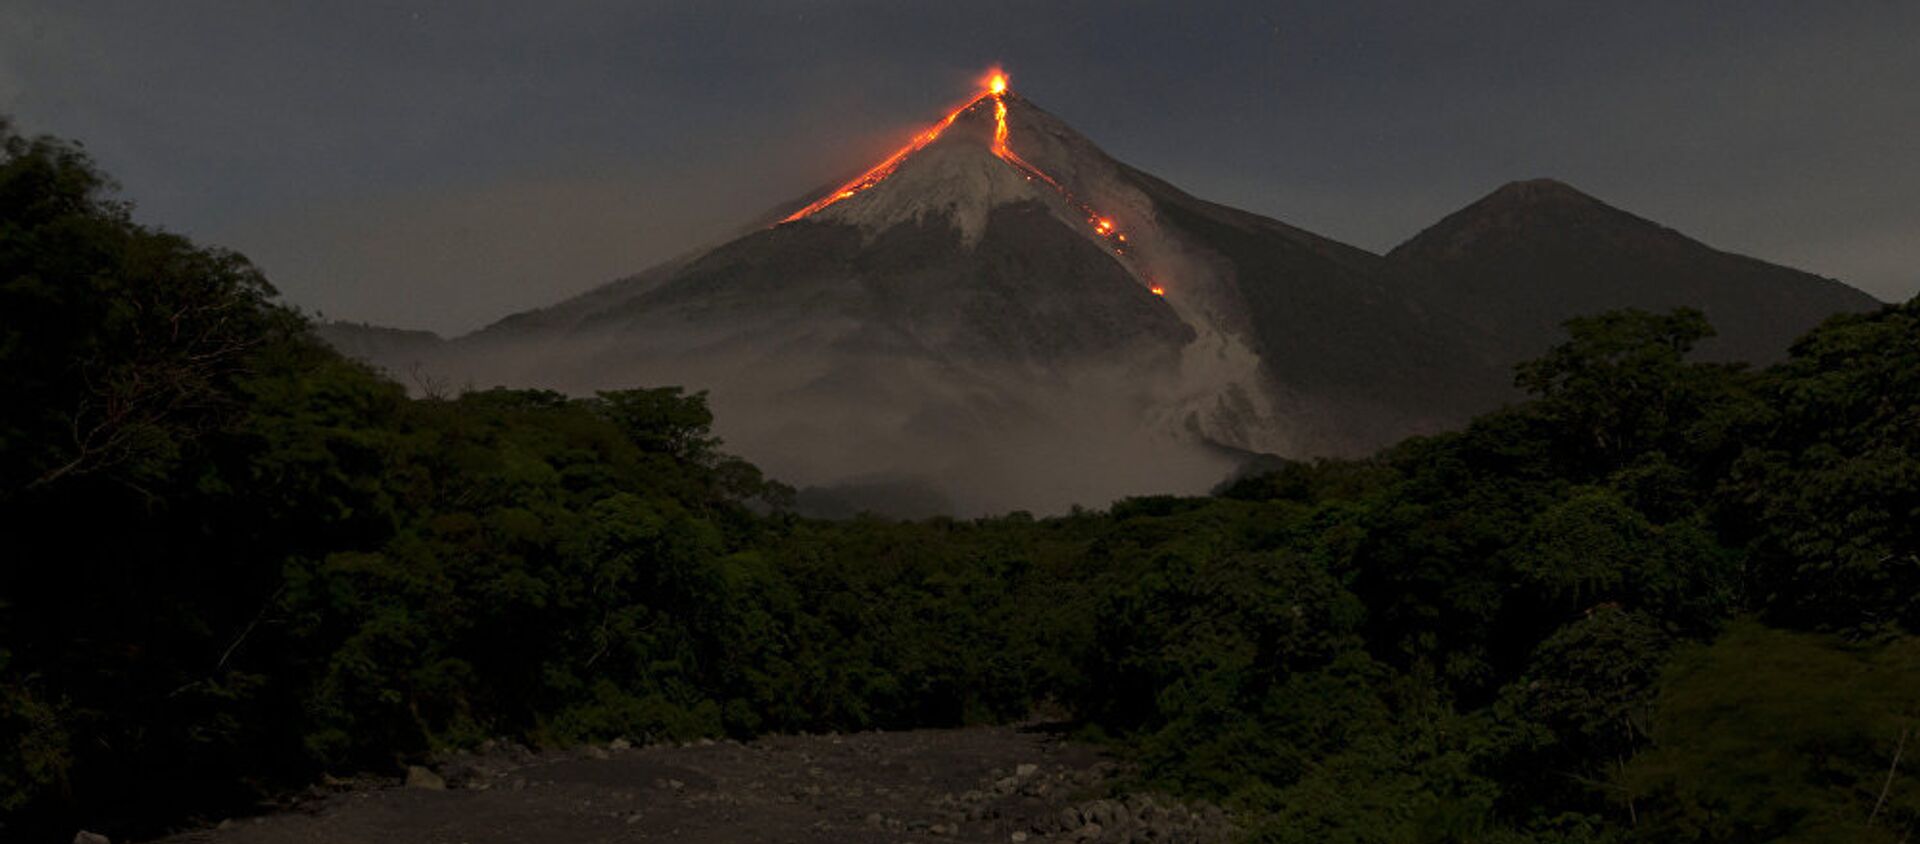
{"x": 996, "y": 88}
{"x": 1157, "y": 290}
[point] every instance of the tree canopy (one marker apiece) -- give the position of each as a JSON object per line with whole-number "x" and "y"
{"x": 1661, "y": 600}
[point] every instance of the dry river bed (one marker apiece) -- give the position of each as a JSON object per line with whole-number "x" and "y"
{"x": 998, "y": 784}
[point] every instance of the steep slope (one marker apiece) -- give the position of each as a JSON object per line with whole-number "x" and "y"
{"x": 958, "y": 326}
{"x": 1006, "y": 314}
{"x": 399, "y": 350}
{"x": 1364, "y": 363}
{"x": 1000, "y": 316}
{"x": 1532, "y": 254}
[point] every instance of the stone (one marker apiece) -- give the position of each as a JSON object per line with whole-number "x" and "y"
{"x": 1099, "y": 813}
{"x": 619, "y": 744}
{"x": 1070, "y": 818}
{"x": 1026, "y": 770}
{"x": 420, "y": 777}
{"x": 85, "y": 837}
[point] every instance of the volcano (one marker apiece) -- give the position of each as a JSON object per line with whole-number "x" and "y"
{"x": 1001, "y": 316}
{"x": 1522, "y": 259}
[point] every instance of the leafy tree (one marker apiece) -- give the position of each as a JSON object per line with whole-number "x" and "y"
{"x": 1768, "y": 735}
{"x": 1829, "y": 490}
{"x": 1621, "y": 387}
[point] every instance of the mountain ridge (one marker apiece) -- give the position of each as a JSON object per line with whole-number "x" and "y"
{"x": 1532, "y": 253}
{"x": 1003, "y": 312}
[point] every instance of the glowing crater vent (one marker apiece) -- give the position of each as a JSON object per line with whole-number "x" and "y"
{"x": 995, "y": 87}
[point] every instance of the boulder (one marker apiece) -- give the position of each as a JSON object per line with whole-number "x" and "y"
{"x": 421, "y": 777}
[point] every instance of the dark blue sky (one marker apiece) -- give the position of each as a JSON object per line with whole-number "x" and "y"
{"x": 441, "y": 164}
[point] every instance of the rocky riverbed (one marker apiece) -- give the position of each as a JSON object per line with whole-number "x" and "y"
{"x": 968, "y": 785}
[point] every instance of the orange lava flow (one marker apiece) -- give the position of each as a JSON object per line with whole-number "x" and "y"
{"x": 996, "y": 88}
{"x": 885, "y": 168}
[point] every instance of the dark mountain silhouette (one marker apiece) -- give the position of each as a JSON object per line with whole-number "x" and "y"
{"x": 1528, "y": 256}
{"x": 1003, "y": 316}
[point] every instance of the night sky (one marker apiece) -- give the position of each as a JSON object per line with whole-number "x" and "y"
{"x": 443, "y": 164}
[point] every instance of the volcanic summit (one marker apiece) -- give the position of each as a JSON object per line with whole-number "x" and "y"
{"x": 1001, "y": 316}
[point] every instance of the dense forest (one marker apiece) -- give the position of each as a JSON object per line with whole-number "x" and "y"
{"x": 1660, "y": 600}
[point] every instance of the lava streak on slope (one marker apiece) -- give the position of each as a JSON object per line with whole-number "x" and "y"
{"x": 996, "y": 88}
{"x": 885, "y": 168}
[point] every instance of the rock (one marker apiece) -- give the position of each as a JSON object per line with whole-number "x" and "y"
{"x": 419, "y": 777}
{"x": 619, "y": 744}
{"x": 1026, "y": 770}
{"x": 1018, "y": 837}
{"x": 1099, "y": 813}
{"x": 595, "y": 751}
{"x": 85, "y": 837}
{"x": 462, "y": 770}
{"x": 1070, "y": 819}
{"x": 876, "y": 819}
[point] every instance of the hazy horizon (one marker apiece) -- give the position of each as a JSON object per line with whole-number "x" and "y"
{"x": 426, "y": 165}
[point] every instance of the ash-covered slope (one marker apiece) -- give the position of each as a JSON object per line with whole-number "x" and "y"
{"x": 1002, "y": 316}
{"x": 1005, "y": 314}
{"x": 954, "y": 327}
{"x": 1525, "y": 258}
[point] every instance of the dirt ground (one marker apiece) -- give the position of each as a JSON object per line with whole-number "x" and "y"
{"x": 971, "y": 785}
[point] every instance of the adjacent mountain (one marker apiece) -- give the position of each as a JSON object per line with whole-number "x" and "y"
{"x": 401, "y": 351}
{"x": 1531, "y": 254}
{"x": 1001, "y": 316}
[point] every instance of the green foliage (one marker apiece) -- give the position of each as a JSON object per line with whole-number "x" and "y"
{"x": 1622, "y": 387}
{"x": 1769, "y": 735}
{"x": 236, "y": 560}
{"x": 1594, "y": 549}
{"x": 1830, "y": 493}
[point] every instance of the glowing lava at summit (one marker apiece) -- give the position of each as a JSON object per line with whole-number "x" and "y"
{"x": 996, "y": 89}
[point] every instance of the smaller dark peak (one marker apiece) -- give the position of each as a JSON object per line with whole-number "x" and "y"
{"x": 1533, "y": 214}
{"x": 1539, "y": 192}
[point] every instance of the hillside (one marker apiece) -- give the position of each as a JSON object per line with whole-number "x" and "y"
{"x": 1533, "y": 254}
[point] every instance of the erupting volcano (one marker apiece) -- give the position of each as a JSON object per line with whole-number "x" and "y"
{"x": 987, "y": 319}
{"x": 995, "y": 89}
{"x": 999, "y": 315}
